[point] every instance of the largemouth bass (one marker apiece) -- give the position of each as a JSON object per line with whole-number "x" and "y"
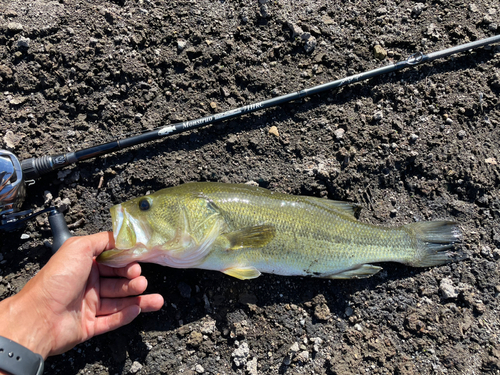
{"x": 243, "y": 230}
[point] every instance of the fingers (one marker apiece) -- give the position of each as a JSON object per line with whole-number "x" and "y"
{"x": 122, "y": 311}
{"x": 93, "y": 244}
{"x": 108, "y": 323}
{"x": 147, "y": 303}
{"x": 130, "y": 271}
{"x": 116, "y": 288}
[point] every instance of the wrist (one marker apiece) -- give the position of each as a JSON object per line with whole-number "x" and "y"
{"x": 19, "y": 322}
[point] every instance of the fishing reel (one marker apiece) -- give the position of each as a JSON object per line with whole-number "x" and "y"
{"x": 12, "y": 196}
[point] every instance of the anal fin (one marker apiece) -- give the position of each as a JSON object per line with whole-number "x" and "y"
{"x": 361, "y": 272}
{"x": 256, "y": 236}
{"x": 242, "y": 273}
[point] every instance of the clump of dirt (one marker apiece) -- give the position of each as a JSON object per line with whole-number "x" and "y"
{"x": 419, "y": 144}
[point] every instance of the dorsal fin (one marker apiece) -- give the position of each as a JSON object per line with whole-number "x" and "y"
{"x": 345, "y": 207}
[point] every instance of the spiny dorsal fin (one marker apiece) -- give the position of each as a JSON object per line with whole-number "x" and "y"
{"x": 256, "y": 236}
{"x": 346, "y": 207}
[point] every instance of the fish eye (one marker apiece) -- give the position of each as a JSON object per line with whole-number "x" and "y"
{"x": 144, "y": 204}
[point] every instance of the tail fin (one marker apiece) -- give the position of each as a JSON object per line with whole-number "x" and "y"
{"x": 435, "y": 242}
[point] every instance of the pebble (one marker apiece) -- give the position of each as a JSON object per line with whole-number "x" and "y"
{"x": 240, "y": 354}
{"x": 23, "y": 42}
{"x": 449, "y": 120}
{"x": 379, "y": 52}
{"x": 296, "y": 30}
{"x": 264, "y": 11}
{"x": 447, "y": 289}
{"x": 358, "y": 327}
{"x": 47, "y": 196}
{"x": 181, "y": 44}
{"x": 339, "y": 133}
{"x": 310, "y": 44}
{"x": 349, "y": 311}
{"x": 12, "y": 140}
{"x": 136, "y": 367}
{"x": 302, "y": 356}
{"x": 208, "y": 327}
{"x": 417, "y": 10}
{"x": 213, "y": 105}
{"x": 473, "y": 8}
{"x": 274, "y": 131}
{"x": 322, "y": 312}
{"x": 252, "y": 183}
{"x": 294, "y": 348}
{"x": 25, "y": 236}
{"x": 199, "y": 369}
{"x": 413, "y": 138}
{"x": 252, "y": 366}
{"x": 377, "y": 116}
{"x": 15, "y": 26}
{"x": 461, "y": 134}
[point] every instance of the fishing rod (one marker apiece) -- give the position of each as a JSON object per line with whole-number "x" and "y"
{"x": 13, "y": 173}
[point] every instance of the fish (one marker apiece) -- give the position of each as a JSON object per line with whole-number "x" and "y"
{"x": 243, "y": 231}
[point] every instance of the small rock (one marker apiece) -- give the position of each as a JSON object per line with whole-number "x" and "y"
{"x": 447, "y": 289}
{"x": 25, "y": 236}
{"x": 413, "y": 138}
{"x": 264, "y": 11}
{"x": 251, "y": 183}
{"x": 208, "y": 327}
{"x": 23, "y": 42}
{"x": 491, "y": 161}
{"x": 358, "y": 327}
{"x": 213, "y": 105}
{"x": 310, "y": 44}
{"x": 48, "y": 196}
{"x": 195, "y": 339}
{"x": 252, "y": 366}
{"x": 12, "y": 140}
{"x": 136, "y": 367}
{"x": 379, "y": 52}
{"x": 473, "y": 8}
{"x": 18, "y": 100}
{"x": 377, "y": 116}
{"x": 322, "y": 312}
{"x": 349, "y": 311}
{"x": 417, "y": 9}
{"x": 461, "y": 134}
{"x": 181, "y": 44}
{"x": 294, "y": 348}
{"x": 240, "y": 354}
{"x": 61, "y": 175}
{"x": 327, "y": 20}
{"x": 339, "y": 133}
{"x": 296, "y": 30}
{"x": 274, "y": 131}
{"x": 302, "y": 356}
{"x": 199, "y": 369}
{"x": 15, "y": 26}
{"x": 449, "y": 120}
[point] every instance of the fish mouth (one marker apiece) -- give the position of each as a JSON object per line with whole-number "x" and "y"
{"x": 129, "y": 232}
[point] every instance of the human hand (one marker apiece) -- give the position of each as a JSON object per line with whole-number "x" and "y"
{"x": 73, "y": 298}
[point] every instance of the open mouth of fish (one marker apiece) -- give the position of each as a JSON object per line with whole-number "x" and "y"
{"x": 127, "y": 230}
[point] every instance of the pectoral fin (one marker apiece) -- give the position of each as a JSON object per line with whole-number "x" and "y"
{"x": 257, "y": 236}
{"x": 243, "y": 273}
{"x": 362, "y": 272}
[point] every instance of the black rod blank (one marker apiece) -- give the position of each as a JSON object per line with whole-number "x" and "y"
{"x": 35, "y": 167}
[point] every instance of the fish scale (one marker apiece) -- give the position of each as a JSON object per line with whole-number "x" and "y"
{"x": 243, "y": 230}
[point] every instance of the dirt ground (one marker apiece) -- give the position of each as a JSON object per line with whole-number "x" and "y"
{"x": 419, "y": 144}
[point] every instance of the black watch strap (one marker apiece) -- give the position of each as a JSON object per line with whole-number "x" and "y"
{"x": 18, "y": 360}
